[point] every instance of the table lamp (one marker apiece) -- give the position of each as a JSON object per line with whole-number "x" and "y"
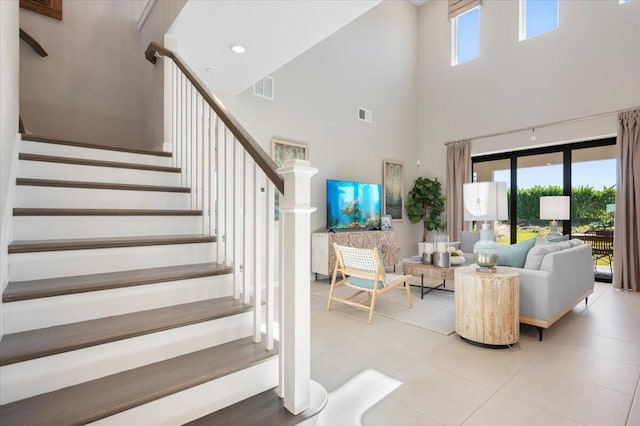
{"x": 485, "y": 201}
{"x": 555, "y": 208}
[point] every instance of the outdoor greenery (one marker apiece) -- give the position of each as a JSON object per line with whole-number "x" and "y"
{"x": 425, "y": 202}
{"x": 588, "y": 206}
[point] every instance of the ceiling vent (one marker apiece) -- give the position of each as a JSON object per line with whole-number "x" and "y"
{"x": 365, "y": 115}
{"x": 264, "y": 88}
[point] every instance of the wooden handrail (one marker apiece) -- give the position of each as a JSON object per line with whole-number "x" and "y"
{"x": 33, "y": 43}
{"x": 261, "y": 158}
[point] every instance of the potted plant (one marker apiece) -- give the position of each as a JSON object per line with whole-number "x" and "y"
{"x": 425, "y": 202}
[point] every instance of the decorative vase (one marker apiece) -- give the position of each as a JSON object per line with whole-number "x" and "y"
{"x": 485, "y": 251}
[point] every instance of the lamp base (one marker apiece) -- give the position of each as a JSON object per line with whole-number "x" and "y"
{"x": 485, "y": 251}
{"x": 553, "y": 230}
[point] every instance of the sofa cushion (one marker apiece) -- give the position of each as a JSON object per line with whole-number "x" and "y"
{"x": 515, "y": 255}
{"x": 468, "y": 240}
{"x": 538, "y": 252}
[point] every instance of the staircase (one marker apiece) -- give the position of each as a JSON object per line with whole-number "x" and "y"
{"x": 117, "y": 310}
{"x": 142, "y": 284}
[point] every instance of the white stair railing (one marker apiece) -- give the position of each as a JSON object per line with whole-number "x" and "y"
{"x": 234, "y": 182}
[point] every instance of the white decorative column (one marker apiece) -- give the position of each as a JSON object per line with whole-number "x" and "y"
{"x": 295, "y": 327}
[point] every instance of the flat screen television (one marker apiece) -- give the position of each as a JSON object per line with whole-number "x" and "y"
{"x": 353, "y": 205}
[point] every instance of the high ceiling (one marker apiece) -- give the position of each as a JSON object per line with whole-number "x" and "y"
{"x": 272, "y": 31}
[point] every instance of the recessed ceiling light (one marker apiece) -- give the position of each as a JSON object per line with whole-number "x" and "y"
{"x": 236, "y": 48}
{"x": 210, "y": 69}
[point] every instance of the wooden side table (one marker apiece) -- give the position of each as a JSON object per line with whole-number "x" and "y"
{"x": 487, "y": 306}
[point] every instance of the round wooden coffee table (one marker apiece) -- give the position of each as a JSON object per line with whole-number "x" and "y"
{"x": 487, "y": 306}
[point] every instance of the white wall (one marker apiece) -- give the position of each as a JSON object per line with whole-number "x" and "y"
{"x": 8, "y": 128}
{"x": 589, "y": 65}
{"x": 370, "y": 63}
{"x": 88, "y": 88}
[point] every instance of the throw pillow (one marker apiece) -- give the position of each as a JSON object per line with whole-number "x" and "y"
{"x": 515, "y": 255}
{"x": 537, "y": 253}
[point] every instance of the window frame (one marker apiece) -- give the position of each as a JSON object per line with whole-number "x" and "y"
{"x": 454, "y": 37}
{"x": 566, "y": 150}
{"x": 522, "y": 36}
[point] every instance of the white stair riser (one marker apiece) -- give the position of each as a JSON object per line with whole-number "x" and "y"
{"x": 76, "y": 172}
{"x": 51, "y": 311}
{"x": 198, "y": 401}
{"x": 68, "y": 227}
{"x": 57, "y": 150}
{"x": 83, "y": 198}
{"x": 33, "y": 377}
{"x": 32, "y": 266}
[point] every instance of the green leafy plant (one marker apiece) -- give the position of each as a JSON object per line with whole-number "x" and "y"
{"x": 425, "y": 203}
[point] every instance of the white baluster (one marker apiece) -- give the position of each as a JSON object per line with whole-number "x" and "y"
{"x": 270, "y": 262}
{"x": 206, "y": 171}
{"x": 174, "y": 113}
{"x": 220, "y": 192}
{"x": 258, "y": 225}
{"x": 228, "y": 200}
{"x": 248, "y": 229}
{"x": 238, "y": 241}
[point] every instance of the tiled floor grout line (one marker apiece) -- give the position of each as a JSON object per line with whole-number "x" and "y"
{"x": 633, "y": 401}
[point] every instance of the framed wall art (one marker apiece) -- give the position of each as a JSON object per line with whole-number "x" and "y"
{"x": 393, "y": 189}
{"x": 282, "y": 151}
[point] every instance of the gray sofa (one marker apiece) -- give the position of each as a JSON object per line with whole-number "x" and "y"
{"x": 564, "y": 279}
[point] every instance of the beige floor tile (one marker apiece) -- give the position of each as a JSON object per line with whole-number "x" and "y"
{"x": 609, "y": 312}
{"x": 615, "y": 375}
{"x": 634, "y": 414}
{"x": 607, "y": 329}
{"x": 503, "y": 410}
{"x": 566, "y": 396}
{"x": 406, "y": 338}
{"x": 618, "y": 350}
{"x": 488, "y": 367}
{"x": 349, "y": 403}
{"x": 440, "y": 395}
{"x": 390, "y": 412}
{"x": 359, "y": 355}
{"x": 327, "y": 375}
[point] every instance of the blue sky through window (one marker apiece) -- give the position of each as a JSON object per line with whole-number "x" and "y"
{"x": 595, "y": 174}
{"x": 468, "y": 35}
{"x": 541, "y": 16}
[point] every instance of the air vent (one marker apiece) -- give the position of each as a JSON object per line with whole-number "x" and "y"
{"x": 264, "y": 88}
{"x": 365, "y": 115}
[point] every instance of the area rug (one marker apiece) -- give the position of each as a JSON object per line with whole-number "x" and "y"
{"x": 435, "y": 312}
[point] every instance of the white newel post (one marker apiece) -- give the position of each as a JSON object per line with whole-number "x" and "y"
{"x": 295, "y": 327}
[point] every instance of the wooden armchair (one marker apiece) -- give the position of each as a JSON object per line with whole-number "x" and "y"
{"x": 362, "y": 270}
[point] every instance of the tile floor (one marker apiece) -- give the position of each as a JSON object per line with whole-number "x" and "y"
{"x": 585, "y": 371}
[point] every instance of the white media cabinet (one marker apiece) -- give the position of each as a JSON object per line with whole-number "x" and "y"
{"x": 323, "y": 257}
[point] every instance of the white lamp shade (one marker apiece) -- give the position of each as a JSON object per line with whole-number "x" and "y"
{"x": 485, "y": 201}
{"x": 555, "y": 208}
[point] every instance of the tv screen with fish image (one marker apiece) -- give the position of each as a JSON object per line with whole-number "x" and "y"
{"x": 353, "y": 205}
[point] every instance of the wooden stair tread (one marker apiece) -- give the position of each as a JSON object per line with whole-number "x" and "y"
{"x": 264, "y": 409}
{"x": 99, "y": 185}
{"x": 35, "y": 289}
{"x": 28, "y": 211}
{"x": 111, "y": 242}
{"x": 44, "y": 139}
{"x": 96, "y": 163}
{"x": 31, "y": 344}
{"x": 100, "y": 398}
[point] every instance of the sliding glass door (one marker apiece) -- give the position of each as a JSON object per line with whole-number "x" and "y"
{"x": 585, "y": 171}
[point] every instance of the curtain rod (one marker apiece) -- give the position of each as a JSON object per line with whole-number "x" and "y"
{"x": 540, "y": 126}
